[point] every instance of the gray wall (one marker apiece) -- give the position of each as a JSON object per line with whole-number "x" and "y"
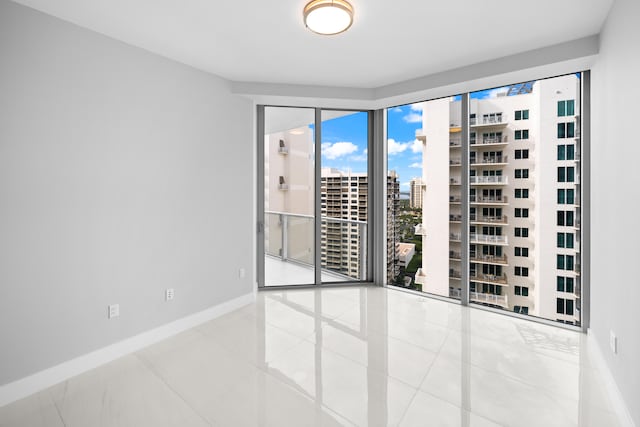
{"x": 121, "y": 174}
{"x": 616, "y": 198}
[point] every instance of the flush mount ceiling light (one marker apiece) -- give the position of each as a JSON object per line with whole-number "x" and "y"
{"x": 328, "y": 17}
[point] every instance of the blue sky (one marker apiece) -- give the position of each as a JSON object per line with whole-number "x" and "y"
{"x": 344, "y": 140}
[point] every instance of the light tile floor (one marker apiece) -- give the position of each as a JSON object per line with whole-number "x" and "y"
{"x": 339, "y": 356}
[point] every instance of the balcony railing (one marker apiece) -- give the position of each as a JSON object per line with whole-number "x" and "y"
{"x": 454, "y": 274}
{"x": 455, "y": 199}
{"x": 487, "y": 238}
{"x": 290, "y": 237}
{"x": 488, "y": 219}
{"x": 455, "y": 255}
{"x": 489, "y": 160}
{"x": 480, "y": 297}
{"x": 498, "y": 179}
{"x": 488, "y": 141}
{"x": 488, "y": 199}
{"x": 455, "y": 143}
{"x": 491, "y": 259}
{"x": 455, "y": 162}
{"x": 455, "y": 237}
{"x": 489, "y": 278}
{"x": 455, "y": 218}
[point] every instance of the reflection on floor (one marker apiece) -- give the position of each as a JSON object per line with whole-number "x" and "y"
{"x": 339, "y": 356}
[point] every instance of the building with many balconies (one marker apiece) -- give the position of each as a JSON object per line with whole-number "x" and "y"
{"x": 524, "y": 156}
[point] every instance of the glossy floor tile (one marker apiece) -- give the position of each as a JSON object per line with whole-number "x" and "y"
{"x": 339, "y": 356}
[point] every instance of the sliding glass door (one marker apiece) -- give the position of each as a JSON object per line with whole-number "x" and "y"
{"x": 289, "y": 202}
{"x": 313, "y": 212}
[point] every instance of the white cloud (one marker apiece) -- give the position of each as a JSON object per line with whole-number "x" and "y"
{"x": 338, "y": 149}
{"x": 413, "y": 118}
{"x": 418, "y": 106}
{"x": 397, "y": 110}
{"x": 360, "y": 157}
{"x": 405, "y": 184}
{"x": 416, "y": 165}
{"x": 416, "y": 146}
{"x": 394, "y": 147}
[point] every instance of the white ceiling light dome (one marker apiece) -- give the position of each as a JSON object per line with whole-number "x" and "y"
{"x": 328, "y": 17}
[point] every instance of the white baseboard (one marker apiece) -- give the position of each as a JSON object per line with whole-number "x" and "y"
{"x": 617, "y": 401}
{"x": 44, "y": 379}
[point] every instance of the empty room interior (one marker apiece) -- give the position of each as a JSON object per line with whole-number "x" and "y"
{"x": 318, "y": 212}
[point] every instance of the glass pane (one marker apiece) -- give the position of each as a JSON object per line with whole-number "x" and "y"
{"x": 561, "y": 130}
{"x": 549, "y": 254}
{"x": 289, "y": 196}
{"x": 561, "y": 108}
{"x": 424, "y": 156}
{"x": 344, "y": 195}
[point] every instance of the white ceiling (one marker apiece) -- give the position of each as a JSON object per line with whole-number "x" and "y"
{"x": 390, "y": 40}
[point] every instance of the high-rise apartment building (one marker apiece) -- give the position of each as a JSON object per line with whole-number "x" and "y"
{"x": 415, "y": 193}
{"x": 344, "y": 207}
{"x": 524, "y": 237}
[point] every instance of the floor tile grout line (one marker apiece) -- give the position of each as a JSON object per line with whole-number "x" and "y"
{"x": 62, "y": 420}
{"x": 406, "y": 410}
{"x": 154, "y": 372}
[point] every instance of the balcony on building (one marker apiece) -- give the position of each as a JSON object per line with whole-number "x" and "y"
{"x": 489, "y": 180}
{"x": 488, "y": 259}
{"x": 455, "y": 162}
{"x": 454, "y": 237}
{"x": 488, "y": 239}
{"x": 454, "y": 274}
{"x": 492, "y": 220}
{"x": 493, "y": 279}
{"x": 455, "y": 218}
{"x": 491, "y": 161}
{"x": 455, "y": 256}
{"x": 420, "y": 136}
{"x": 488, "y": 141}
{"x": 488, "y": 200}
{"x": 289, "y": 258}
{"x": 455, "y": 199}
{"x": 455, "y": 143}
{"x": 492, "y": 120}
{"x": 454, "y": 181}
{"x": 480, "y": 297}
{"x": 421, "y": 277}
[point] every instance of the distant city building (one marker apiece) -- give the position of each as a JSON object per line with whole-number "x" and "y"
{"x": 415, "y": 193}
{"x": 405, "y": 252}
{"x": 344, "y": 207}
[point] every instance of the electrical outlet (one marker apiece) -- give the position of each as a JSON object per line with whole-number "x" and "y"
{"x": 242, "y": 273}
{"x": 169, "y": 294}
{"x": 613, "y": 342}
{"x": 114, "y": 311}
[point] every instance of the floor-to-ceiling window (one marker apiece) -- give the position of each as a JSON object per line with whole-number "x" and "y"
{"x": 522, "y": 214}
